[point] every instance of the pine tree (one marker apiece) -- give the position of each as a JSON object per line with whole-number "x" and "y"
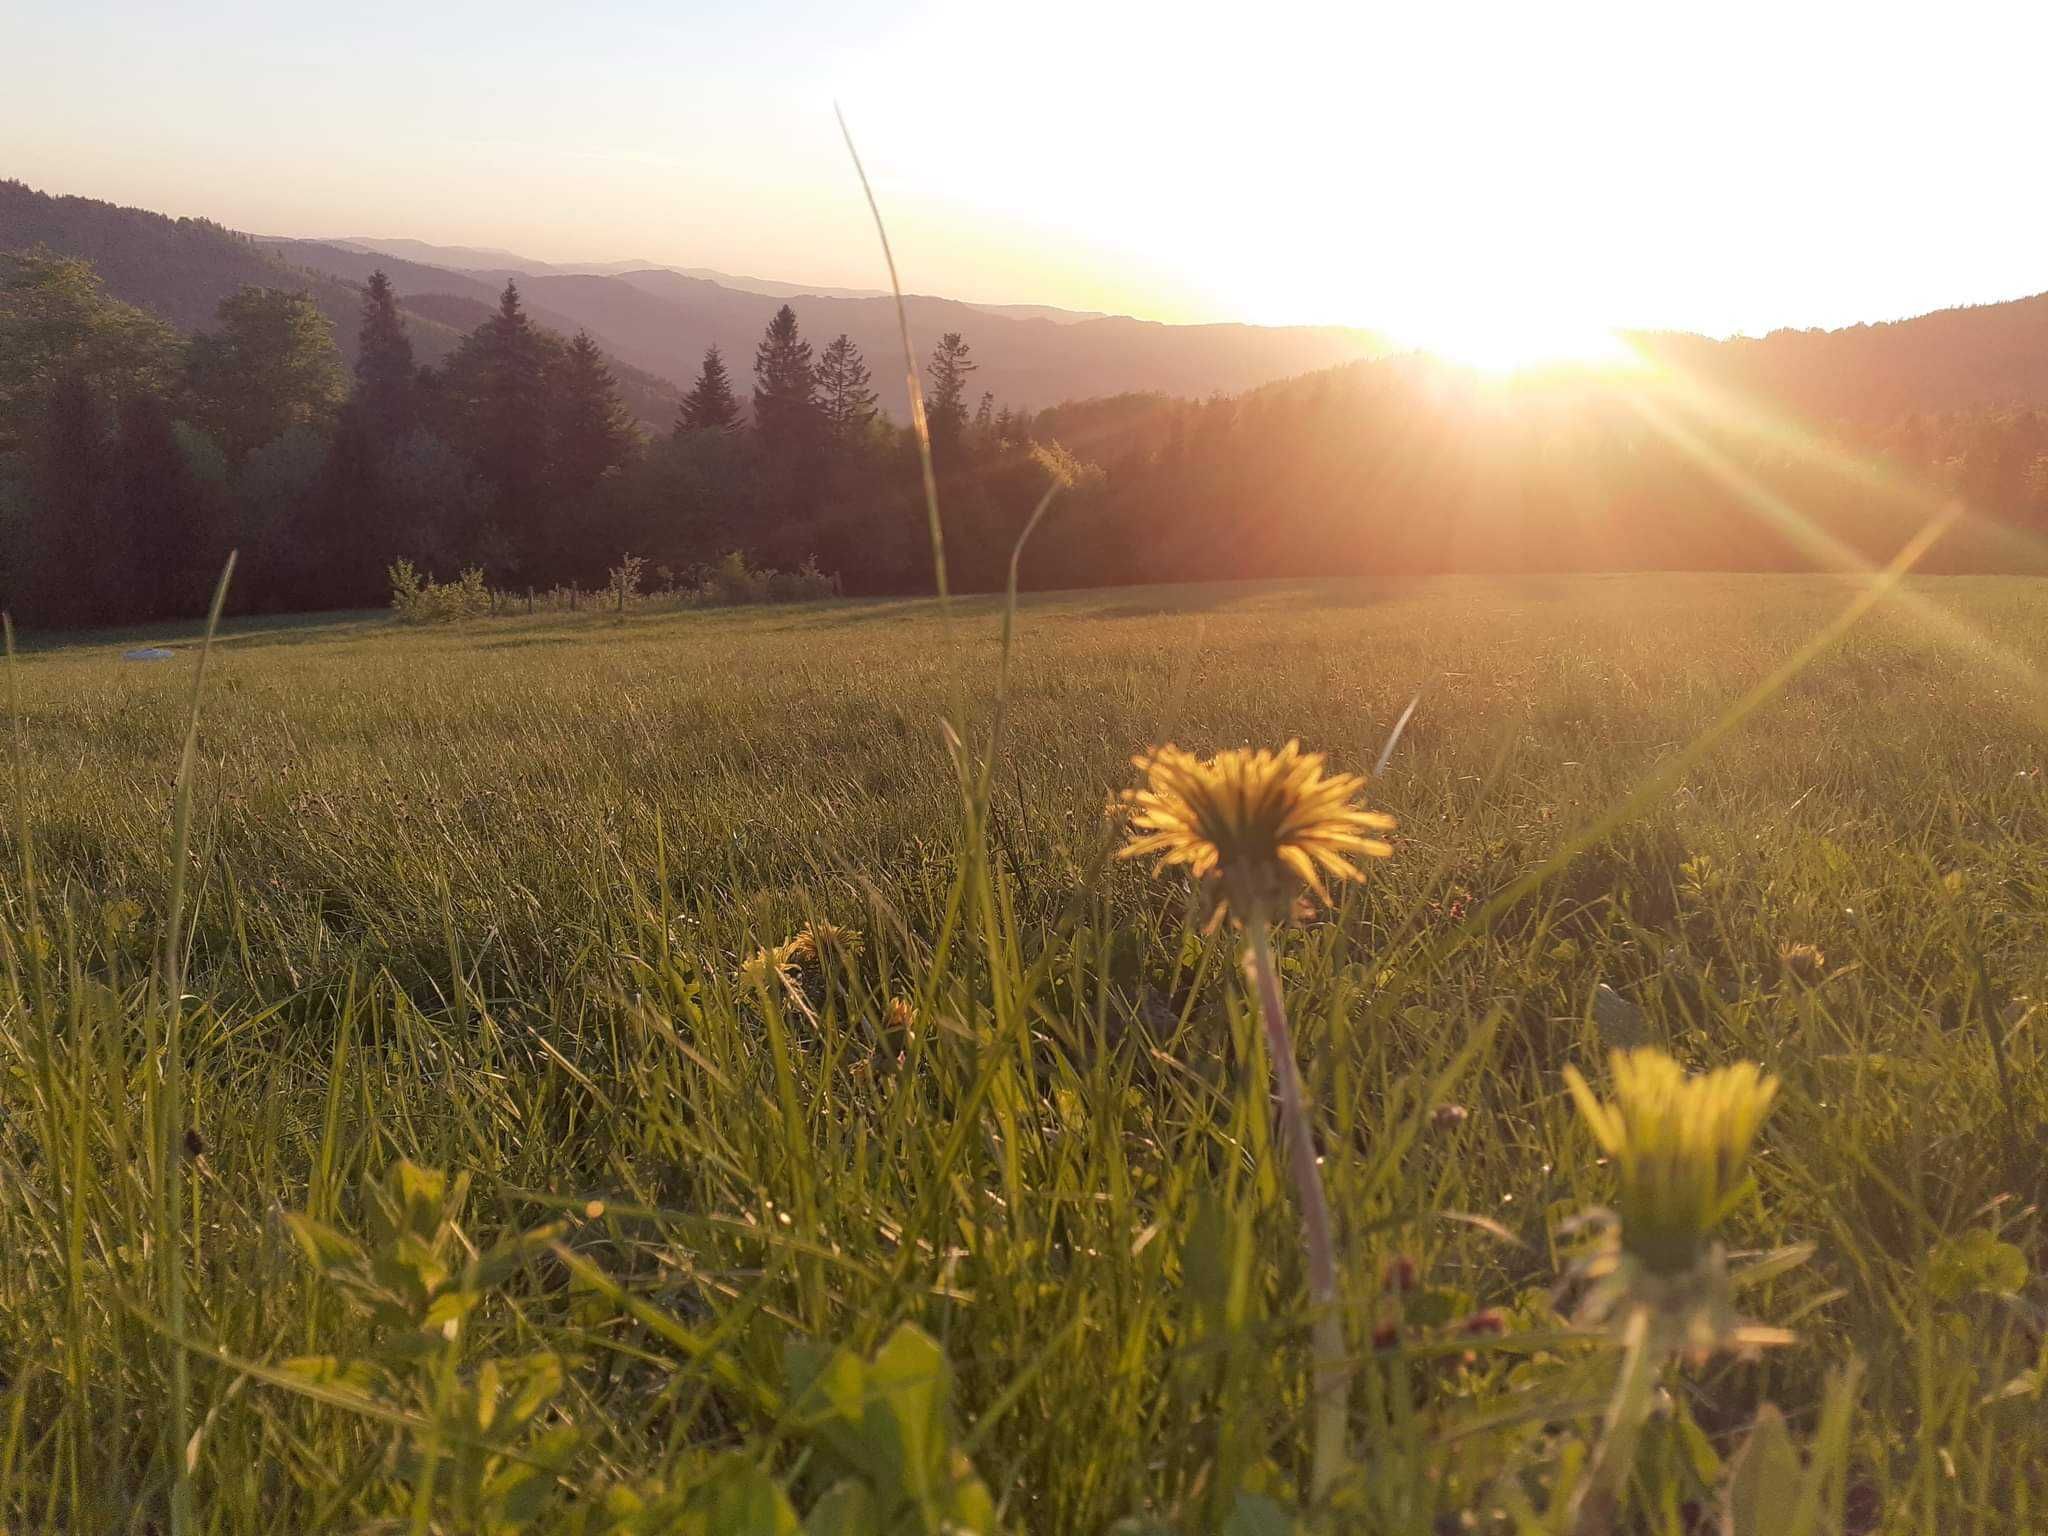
{"x": 785, "y": 390}
{"x": 387, "y": 386}
{"x": 710, "y": 405}
{"x": 592, "y": 429}
{"x": 848, "y": 403}
{"x": 496, "y": 397}
{"x": 946, "y": 407}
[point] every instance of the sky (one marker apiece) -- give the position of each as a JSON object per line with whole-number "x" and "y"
{"x": 1441, "y": 171}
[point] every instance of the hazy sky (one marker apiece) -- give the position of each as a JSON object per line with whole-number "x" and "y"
{"x": 1421, "y": 167}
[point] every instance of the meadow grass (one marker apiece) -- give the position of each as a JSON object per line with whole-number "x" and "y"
{"x": 467, "y": 908}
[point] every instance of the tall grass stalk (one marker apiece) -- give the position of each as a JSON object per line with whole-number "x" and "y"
{"x": 171, "y": 1120}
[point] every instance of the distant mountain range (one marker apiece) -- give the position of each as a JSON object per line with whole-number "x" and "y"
{"x": 182, "y": 268}
{"x": 488, "y": 262}
{"x": 661, "y": 319}
{"x": 466, "y": 258}
{"x": 655, "y": 322}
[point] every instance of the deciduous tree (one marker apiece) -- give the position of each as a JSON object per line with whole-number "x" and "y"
{"x": 271, "y": 366}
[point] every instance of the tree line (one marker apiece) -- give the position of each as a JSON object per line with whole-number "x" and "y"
{"x": 132, "y": 458}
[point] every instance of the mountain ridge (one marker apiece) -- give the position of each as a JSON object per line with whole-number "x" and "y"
{"x": 181, "y": 268}
{"x": 656, "y": 321}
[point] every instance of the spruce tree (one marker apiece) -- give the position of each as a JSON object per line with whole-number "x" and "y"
{"x": 847, "y": 401}
{"x": 592, "y": 430}
{"x": 945, "y": 408}
{"x": 710, "y": 405}
{"x": 785, "y": 390}
{"x": 387, "y": 384}
{"x": 502, "y": 383}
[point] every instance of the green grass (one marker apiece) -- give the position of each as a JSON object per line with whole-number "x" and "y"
{"x": 475, "y": 898}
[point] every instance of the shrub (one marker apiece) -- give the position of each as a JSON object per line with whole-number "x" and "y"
{"x": 623, "y": 581}
{"x": 732, "y": 581}
{"x": 422, "y": 600}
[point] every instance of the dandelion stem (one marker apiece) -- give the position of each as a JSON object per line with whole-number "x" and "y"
{"x": 1599, "y": 1496}
{"x": 1332, "y": 1365}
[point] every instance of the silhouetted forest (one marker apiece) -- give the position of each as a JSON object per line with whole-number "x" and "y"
{"x": 133, "y": 456}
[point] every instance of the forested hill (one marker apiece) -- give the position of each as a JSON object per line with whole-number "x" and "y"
{"x": 181, "y": 270}
{"x": 661, "y": 320}
{"x": 1981, "y": 355}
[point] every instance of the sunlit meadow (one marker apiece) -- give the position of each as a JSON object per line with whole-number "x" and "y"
{"x": 475, "y": 1160}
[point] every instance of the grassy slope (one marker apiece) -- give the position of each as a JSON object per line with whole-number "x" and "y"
{"x": 383, "y": 810}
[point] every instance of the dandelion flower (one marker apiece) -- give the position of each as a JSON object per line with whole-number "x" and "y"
{"x": 821, "y": 939}
{"x": 1255, "y": 827}
{"x": 901, "y": 1019}
{"x": 1679, "y": 1145}
{"x": 772, "y": 966}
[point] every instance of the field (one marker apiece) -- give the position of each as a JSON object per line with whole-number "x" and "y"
{"x": 476, "y": 899}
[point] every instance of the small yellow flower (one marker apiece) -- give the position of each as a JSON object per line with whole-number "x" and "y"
{"x": 1256, "y": 827}
{"x": 1679, "y": 1145}
{"x": 821, "y": 939}
{"x": 899, "y": 1023}
{"x": 774, "y": 965}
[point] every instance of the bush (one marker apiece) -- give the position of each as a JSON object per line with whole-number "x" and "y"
{"x": 422, "y": 600}
{"x": 733, "y": 581}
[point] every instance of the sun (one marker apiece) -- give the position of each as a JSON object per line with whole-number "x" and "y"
{"x": 1513, "y": 342}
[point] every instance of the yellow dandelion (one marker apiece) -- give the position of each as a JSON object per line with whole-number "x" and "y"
{"x": 821, "y": 939}
{"x": 1680, "y": 1145}
{"x": 1255, "y": 827}
{"x": 771, "y": 966}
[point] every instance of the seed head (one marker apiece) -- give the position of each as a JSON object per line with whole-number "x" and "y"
{"x": 1254, "y": 827}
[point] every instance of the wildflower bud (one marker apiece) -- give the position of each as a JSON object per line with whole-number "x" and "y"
{"x": 1803, "y": 963}
{"x": 1401, "y": 1275}
{"x": 1491, "y": 1323}
{"x": 1386, "y": 1335}
{"x": 1679, "y": 1145}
